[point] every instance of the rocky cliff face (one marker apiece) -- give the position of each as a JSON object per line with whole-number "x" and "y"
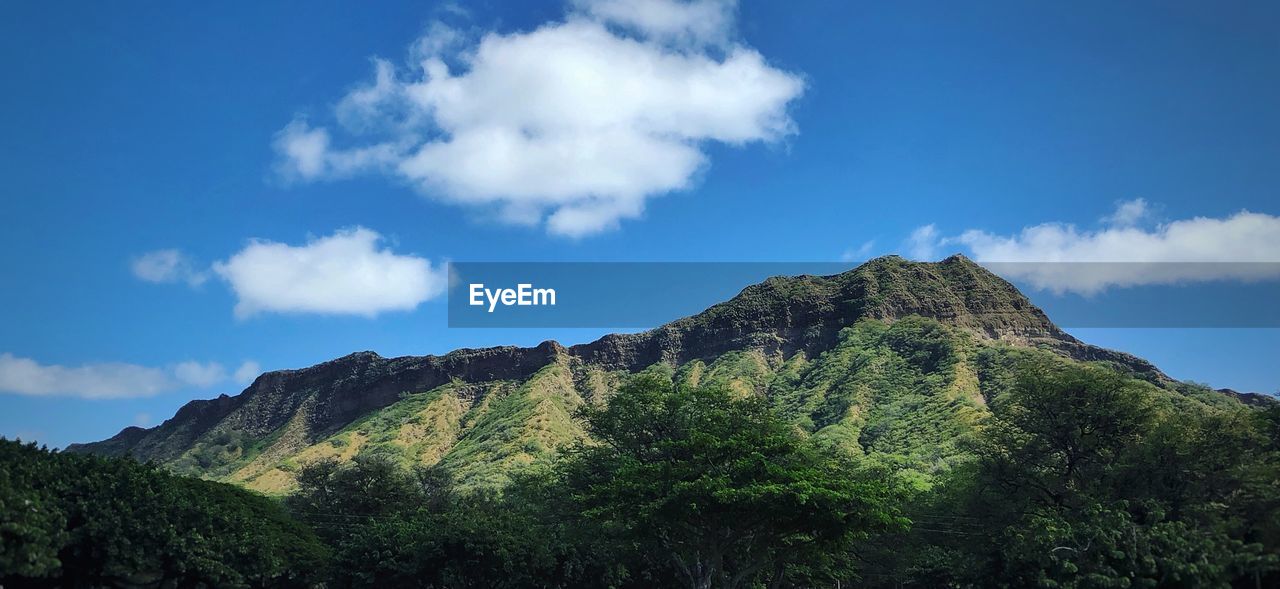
{"x": 782, "y": 317}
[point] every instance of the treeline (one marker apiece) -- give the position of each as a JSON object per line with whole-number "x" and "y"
{"x": 1084, "y": 478}
{"x": 69, "y": 520}
{"x": 1081, "y": 478}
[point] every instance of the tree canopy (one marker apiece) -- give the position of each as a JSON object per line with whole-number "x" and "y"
{"x": 82, "y": 521}
{"x": 1073, "y": 476}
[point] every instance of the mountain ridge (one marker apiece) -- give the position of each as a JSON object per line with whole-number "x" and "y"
{"x": 782, "y": 317}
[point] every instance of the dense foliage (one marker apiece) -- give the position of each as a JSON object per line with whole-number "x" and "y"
{"x": 1085, "y": 478}
{"x": 720, "y": 489}
{"x": 907, "y": 455}
{"x": 697, "y": 487}
{"x": 81, "y": 521}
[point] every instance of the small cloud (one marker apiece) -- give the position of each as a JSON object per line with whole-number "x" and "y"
{"x": 308, "y": 156}
{"x": 1128, "y": 213}
{"x": 106, "y": 380}
{"x": 142, "y": 419}
{"x": 304, "y": 150}
{"x": 364, "y": 109}
{"x": 682, "y": 24}
{"x": 247, "y": 371}
{"x": 454, "y": 9}
{"x": 438, "y": 40}
{"x": 346, "y": 273}
{"x": 862, "y": 252}
{"x": 923, "y": 243}
{"x": 198, "y": 374}
{"x": 167, "y": 266}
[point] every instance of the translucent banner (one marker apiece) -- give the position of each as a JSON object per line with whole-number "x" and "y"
{"x": 648, "y": 294}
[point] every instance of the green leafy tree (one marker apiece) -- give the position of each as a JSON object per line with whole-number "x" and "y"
{"x": 335, "y": 497}
{"x": 31, "y": 521}
{"x": 1059, "y": 432}
{"x": 1083, "y": 480}
{"x": 117, "y": 523}
{"x": 478, "y": 540}
{"x": 718, "y": 489}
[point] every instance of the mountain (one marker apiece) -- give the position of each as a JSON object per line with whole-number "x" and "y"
{"x": 895, "y": 360}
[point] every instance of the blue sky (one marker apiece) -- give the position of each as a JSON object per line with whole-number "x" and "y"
{"x": 821, "y": 132}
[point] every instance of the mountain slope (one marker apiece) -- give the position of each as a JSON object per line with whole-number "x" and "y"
{"x": 893, "y": 359}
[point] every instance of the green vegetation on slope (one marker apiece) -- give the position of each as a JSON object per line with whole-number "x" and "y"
{"x": 1071, "y": 475}
{"x": 1083, "y": 477}
{"x": 523, "y": 424}
{"x": 482, "y": 433}
{"x": 907, "y": 394}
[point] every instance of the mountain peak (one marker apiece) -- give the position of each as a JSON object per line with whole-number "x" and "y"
{"x": 776, "y": 318}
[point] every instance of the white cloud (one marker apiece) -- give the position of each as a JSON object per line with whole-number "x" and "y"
{"x": 923, "y": 243}
{"x": 344, "y": 273}
{"x": 167, "y": 266}
{"x": 695, "y": 22}
{"x": 363, "y": 108}
{"x": 305, "y": 150}
{"x": 247, "y": 371}
{"x": 1061, "y": 257}
{"x": 1128, "y": 213}
{"x": 308, "y": 155}
{"x": 108, "y": 380}
{"x": 860, "y": 253}
{"x": 200, "y": 374}
{"x": 142, "y": 419}
{"x": 438, "y": 40}
{"x": 574, "y": 124}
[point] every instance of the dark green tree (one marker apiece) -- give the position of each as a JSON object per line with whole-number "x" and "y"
{"x": 334, "y": 498}
{"x": 32, "y": 523}
{"x": 1083, "y": 480}
{"x": 116, "y": 523}
{"x": 1058, "y": 434}
{"x": 717, "y": 489}
{"x": 476, "y": 540}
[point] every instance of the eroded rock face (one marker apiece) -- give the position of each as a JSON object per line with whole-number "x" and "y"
{"x": 1253, "y": 399}
{"x": 778, "y": 317}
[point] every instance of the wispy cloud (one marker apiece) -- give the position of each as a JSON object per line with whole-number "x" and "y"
{"x": 923, "y": 243}
{"x": 1129, "y": 213}
{"x": 861, "y": 252}
{"x": 168, "y": 266}
{"x": 247, "y": 371}
{"x": 572, "y": 125}
{"x": 200, "y": 374}
{"x": 681, "y": 24}
{"x": 107, "y": 380}
{"x": 1122, "y": 252}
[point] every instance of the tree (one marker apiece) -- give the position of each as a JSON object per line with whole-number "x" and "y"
{"x": 333, "y": 497}
{"x": 1057, "y": 433}
{"x": 476, "y": 540}
{"x": 1081, "y": 480}
{"x": 717, "y": 488}
{"x": 31, "y": 521}
{"x": 101, "y": 522}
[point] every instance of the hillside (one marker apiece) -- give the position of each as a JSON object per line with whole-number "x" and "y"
{"x": 894, "y": 360}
